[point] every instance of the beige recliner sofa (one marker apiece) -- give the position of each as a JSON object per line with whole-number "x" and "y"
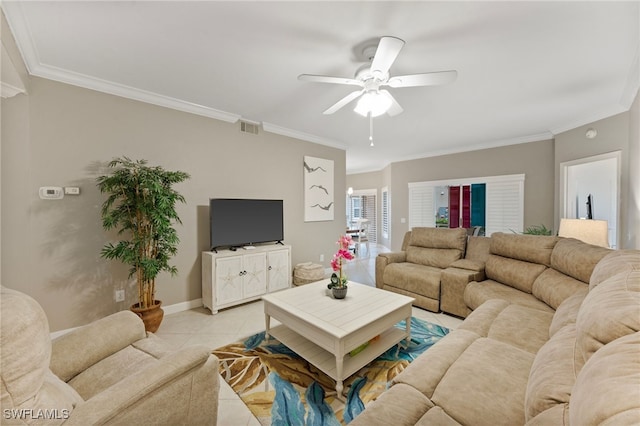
{"x": 108, "y": 372}
{"x": 416, "y": 270}
{"x": 515, "y": 362}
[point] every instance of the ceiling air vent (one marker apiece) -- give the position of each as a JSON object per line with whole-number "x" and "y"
{"x": 246, "y": 127}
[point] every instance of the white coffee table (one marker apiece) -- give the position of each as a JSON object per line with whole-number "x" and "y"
{"x": 323, "y": 330}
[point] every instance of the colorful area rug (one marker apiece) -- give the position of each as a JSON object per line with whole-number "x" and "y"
{"x": 281, "y": 388}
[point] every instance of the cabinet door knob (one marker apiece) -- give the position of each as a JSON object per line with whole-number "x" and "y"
{"x": 270, "y": 268}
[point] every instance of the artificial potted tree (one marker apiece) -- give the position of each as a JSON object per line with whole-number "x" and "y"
{"x": 141, "y": 206}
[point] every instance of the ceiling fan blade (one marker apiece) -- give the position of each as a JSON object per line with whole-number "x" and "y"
{"x": 344, "y": 101}
{"x": 425, "y": 79}
{"x": 327, "y": 79}
{"x": 395, "y": 107}
{"x": 386, "y": 54}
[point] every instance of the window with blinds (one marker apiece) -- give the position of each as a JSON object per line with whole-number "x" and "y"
{"x": 385, "y": 213}
{"x": 362, "y": 204}
{"x": 504, "y": 200}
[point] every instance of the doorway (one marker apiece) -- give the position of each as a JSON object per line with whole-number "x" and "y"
{"x": 590, "y": 189}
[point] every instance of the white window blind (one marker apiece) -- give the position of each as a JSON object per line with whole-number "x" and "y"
{"x": 385, "y": 213}
{"x": 505, "y": 205}
{"x": 504, "y": 202}
{"x": 421, "y": 209}
{"x": 369, "y": 212}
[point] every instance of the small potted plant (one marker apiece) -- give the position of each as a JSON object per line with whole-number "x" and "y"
{"x": 141, "y": 206}
{"x": 338, "y": 284}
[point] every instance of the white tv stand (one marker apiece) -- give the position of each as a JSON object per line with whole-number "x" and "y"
{"x": 233, "y": 277}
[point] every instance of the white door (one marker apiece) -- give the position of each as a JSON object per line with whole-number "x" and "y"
{"x": 254, "y": 274}
{"x": 278, "y": 270}
{"x": 228, "y": 280}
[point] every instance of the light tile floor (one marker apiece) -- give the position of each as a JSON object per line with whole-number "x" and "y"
{"x": 199, "y": 327}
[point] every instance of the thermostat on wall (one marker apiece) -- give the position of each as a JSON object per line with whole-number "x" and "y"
{"x": 51, "y": 192}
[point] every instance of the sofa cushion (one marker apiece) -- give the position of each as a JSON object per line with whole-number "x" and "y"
{"x": 553, "y": 287}
{"x": 607, "y": 390}
{"x": 437, "y": 247}
{"x": 435, "y": 416}
{"x": 515, "y": 273}
{"x": 613, "y": 263}
{"x": 611, "y": 310}
{"x": 478, "y": 249}
{"x": 426, "y": 371}
{"x": 553, "y": 373}
{"x": 441, "y": 238}
{"x": 436, "y": 257}
{"x": 493, "y": 376}
{"x": 399, "y": 405}
{"x": 567, "y": 312}
{"x": 414, "y": 278}
{"x": 530, "y": 248}
{"x": 576, "y": 259}
{"x": 477, "y": 293}
{"x": 519, "y": 326}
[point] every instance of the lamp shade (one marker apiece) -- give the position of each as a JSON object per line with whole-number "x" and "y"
{"x": 588, "y": 230}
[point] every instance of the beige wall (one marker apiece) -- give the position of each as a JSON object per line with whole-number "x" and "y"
{"x": 613, "y": 134}
{"x": 534, "y": 159}
{"x": 61, "y": 135}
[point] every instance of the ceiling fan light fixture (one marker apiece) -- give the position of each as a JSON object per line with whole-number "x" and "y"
{"x": 374, "y": 103}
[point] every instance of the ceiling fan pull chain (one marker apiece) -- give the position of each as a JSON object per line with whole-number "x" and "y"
{"x": 370, "y": 128}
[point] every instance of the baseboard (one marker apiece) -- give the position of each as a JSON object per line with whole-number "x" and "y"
{"x": 168, "y": 310}
{"x": 182, "y": 306}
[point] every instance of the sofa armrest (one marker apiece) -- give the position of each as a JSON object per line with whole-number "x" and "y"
{"x": 453, "y": 283}
{"x": 384, "y": 259}
{"x": 98, "y": 340}
{"x": 471, "y": 265}
{"x": 181, "y": 388}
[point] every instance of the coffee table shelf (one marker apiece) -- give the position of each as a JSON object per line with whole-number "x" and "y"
{"x": 326, "y": 361}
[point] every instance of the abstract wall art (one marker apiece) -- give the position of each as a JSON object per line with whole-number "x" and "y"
{"x": 318, "y": 189}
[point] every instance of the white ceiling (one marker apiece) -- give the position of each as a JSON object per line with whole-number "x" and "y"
{"x": 526, "y": 70}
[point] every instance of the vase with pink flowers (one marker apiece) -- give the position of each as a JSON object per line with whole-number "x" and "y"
{"x": 338, "y": 284}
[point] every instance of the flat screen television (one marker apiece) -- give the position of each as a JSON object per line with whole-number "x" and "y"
{"x": 240, "y": 222}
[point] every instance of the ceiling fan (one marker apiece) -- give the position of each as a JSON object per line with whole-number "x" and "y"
{"x": 371, "y": 77}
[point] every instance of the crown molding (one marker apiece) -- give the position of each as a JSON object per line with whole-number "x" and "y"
{"x": 9, "y": 91}
{"x": 104, "y": 86}
{"x": 482, "y": 145}
{"x": 279, "y": 130}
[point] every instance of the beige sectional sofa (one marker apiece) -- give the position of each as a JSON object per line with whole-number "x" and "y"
{"x": 553, "y": 338}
